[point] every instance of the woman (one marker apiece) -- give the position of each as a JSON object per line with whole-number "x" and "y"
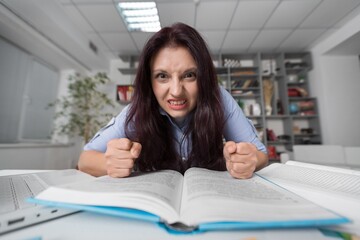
{"x": 178, "y": 116}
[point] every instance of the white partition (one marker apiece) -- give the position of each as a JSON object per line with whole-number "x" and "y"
{"x": 39, "y": 156}
{"x": 320, "y": 154}
{"x": 352, "y": 155}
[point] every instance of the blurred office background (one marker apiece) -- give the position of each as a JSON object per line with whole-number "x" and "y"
{"x": 42, "y": 42}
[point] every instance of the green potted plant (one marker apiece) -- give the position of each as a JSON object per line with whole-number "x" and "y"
{"x": 83, "y": 111}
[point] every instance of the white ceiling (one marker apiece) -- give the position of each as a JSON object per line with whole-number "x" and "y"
{"x": 227, "y": 25}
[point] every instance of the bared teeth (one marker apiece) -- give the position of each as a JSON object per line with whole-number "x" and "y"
{"x": 177, "y": 102}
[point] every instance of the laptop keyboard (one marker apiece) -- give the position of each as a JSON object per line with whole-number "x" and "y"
{"x": 16, "y": 189}
{"x": 16, "y": 212}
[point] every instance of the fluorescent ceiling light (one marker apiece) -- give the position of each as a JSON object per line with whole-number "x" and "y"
{"x": 140, "y": 16}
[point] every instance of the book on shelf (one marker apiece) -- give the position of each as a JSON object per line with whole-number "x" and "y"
{"x": 201, "y": 200}
{"x": 337, "y": 189}
{"x": 125, "y": 93}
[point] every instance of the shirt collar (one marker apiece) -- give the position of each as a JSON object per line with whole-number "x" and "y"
{"x": 185, "y": 123}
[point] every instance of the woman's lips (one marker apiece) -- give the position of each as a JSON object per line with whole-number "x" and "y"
{"x": 177, "y": 104}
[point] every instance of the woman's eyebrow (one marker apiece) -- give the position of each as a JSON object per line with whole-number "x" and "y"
{"x": 159, "y": 70}
{"x": 194, "y": 69}
{"x": 164, "y": 71}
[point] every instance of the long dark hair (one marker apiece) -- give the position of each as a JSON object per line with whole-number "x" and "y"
{"x": 153, "y": 130}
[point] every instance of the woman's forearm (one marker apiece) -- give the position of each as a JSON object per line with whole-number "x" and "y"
{"x": 262, "y": 160}
{"x": 93, "y": 163}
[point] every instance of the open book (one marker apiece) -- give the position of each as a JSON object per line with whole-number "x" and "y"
{"x": 337, "y": 189}
{"x": 198, "y": 201}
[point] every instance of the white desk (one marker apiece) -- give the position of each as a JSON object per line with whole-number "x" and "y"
{"x": 95, "y": 226}
{"x": 86, "y": 225}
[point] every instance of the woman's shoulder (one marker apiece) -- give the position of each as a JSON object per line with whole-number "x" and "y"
{"x": 124, "y": 111}
{"x": 224, "y": 93}
{"x": 226, "y": 98}
{"x": 121, "y": 116}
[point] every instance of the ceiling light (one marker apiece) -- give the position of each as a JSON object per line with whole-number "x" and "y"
{"x": 140, "y": 16}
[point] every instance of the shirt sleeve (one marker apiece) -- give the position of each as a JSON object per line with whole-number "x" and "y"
{"x": 238, "y": 127}
{"x": 114, "y": 129}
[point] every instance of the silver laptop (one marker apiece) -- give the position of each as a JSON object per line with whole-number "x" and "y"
{"x": 16, "y": 212}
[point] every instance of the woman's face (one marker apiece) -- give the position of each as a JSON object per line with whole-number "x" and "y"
{"x": 174, "y": 81}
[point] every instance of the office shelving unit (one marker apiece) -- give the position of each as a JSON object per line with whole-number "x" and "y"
{"x": 293, "y": 118}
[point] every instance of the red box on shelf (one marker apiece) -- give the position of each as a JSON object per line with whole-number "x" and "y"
{"x": 124, "y": 93}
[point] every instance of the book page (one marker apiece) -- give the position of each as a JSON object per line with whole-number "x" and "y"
{"x": 58, "y": 177}
{"x": 216, "y": 196}
{"x": 328, "y": 187}
{"x": 323, "y": 167}
{"x": 155, "y": 192}
{"x": 323, "y": 179}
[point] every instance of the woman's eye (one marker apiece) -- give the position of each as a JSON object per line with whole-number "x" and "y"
{"x": 160, "y": 76}
{"x": 190, "y": 75}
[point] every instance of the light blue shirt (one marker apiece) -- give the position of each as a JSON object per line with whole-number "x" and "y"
{"x": 237, "y": 128}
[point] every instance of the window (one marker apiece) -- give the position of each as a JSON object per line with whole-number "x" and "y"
{"x": 27, "y": 86}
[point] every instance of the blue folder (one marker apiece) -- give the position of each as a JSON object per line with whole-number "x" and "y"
{"x": 180, "y": 229}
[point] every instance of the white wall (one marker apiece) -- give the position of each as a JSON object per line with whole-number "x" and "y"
{"x": 335, "y": 81}
{"x": 116, "y": 75}
{"x": 339, "y": 99}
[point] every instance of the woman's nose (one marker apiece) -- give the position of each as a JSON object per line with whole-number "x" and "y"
{"x": 176, "y": 87}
